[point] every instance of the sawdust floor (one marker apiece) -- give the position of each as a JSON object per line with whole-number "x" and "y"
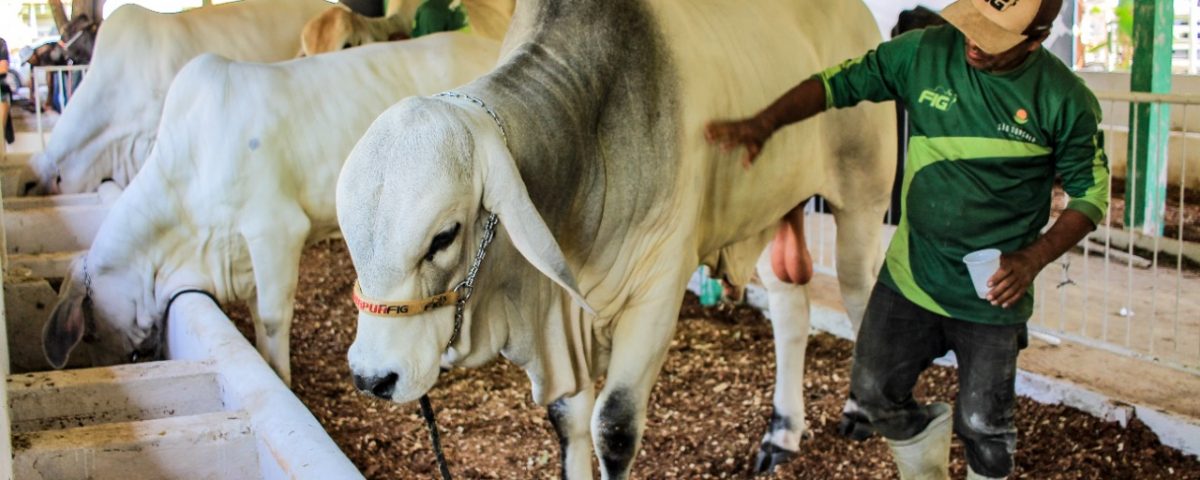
{"x": 708, "y": 411}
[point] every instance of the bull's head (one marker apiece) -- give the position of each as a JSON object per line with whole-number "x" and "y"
{"x": 338, "y": 28}
{"x": 412, "y": 200}
{"x": 107, "y": 307}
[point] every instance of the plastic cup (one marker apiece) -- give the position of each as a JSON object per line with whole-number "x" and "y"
{"x": 982, "y": 264}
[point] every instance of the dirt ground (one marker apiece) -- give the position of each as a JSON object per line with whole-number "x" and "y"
{"x": 708, "y": 411}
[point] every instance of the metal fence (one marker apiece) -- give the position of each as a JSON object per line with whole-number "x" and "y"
{"x": 1131, "y": 291}
{"x": 65, "y": 78}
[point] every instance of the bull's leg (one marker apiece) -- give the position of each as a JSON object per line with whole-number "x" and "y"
{"x": 641, "y": 337}
{"x": 859, "y": 252}
{"x": 789, "y": 307}
{"x": 571, "y": 417}
{"x": 790, "y": 259}
{"x": 275, "y": 255}
{"x": 858, "y": 262}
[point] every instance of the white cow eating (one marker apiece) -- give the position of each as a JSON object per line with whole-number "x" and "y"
{"x": 339, "y": 28}
{"x": 587, "y": 143}
{"x": 241, "y": 179}
{"x": 108, "y": 127}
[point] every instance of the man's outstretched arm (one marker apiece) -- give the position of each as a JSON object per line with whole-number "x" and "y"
{"x": 802, "y": 101}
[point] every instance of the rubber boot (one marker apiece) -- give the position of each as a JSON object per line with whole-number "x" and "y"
{"x": 971, "y": 475}
{"x": 926, "y": 456}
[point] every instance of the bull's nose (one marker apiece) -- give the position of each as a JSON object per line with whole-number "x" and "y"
{"x": 378, "y": 386}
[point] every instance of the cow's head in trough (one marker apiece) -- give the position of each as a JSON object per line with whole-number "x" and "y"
{"x": 413, "y": 201}
{"x": 106, "y": 308}
{"x": 339, "y": 28}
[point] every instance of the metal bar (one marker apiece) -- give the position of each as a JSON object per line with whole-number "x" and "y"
{"x": 1182, "y": 196}
{"x": 1162, "y": 153}
{"x": 1143, "y": 97}
{"x": 1131, "y": 197}
{"x": 1126, "y": 352}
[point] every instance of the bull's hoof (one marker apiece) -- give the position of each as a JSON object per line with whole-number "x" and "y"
{"x": 855, "y": 426}
{"x": 770, "y": 456}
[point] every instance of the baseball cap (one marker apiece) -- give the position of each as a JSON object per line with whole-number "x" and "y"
{"x": 999, "y": 25}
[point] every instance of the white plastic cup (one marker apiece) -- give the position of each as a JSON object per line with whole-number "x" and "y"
{"x": 982, "y": 264}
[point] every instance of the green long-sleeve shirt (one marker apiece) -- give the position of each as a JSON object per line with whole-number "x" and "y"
{"x": 435, "y": 16}
{"x": 984, "y": 150}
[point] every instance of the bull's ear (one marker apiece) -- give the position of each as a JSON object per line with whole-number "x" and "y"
{"x": 504, "y": 194}
{"x": 64, "y": 330}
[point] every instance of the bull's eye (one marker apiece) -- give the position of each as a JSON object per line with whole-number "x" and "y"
{"x": 346, "y": 46}
{"x": 441, "y": 241}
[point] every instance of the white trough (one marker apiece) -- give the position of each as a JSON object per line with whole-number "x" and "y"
{"x": 215, "y": 410}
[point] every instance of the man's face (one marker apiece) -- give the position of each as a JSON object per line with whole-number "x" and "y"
{"x": 1000, "y": 62}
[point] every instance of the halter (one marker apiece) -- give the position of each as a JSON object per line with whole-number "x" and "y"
{"x": 90, "y": 327}
{"x": 458, "y": 295}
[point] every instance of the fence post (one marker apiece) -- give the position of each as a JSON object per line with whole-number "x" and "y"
{"x": 1146, "y": 181}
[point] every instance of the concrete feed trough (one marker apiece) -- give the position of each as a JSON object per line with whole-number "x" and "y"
{"x": 213, "y": 410}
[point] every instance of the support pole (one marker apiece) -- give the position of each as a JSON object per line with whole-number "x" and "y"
{"x": 1146, "y": 181}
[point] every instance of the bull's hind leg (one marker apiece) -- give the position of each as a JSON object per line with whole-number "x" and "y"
{"x": 641, "y": 337}
{"x": 571, "y": 418}
{"x": 789, "y": 307}
{"x": 858, "y": 261}
{"x": 275, "y": 255}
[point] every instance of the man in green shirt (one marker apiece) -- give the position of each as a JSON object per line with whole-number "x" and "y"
{"x": 995, "y": 118}
{"x": 435, "y": 16}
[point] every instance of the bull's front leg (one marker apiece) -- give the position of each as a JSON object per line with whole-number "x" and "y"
{"x": 275, "y": 255}
{"x": 789, "y": 307}
{"x": 571, "y": 418}
{"x": 641, "y": 337}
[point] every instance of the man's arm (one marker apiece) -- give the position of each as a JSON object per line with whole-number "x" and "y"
{"x": 801, "y": 102}
{"x": 877, "y": 76}
{"x": 1081, "y": 163}
{"x": 1019, "y": 269}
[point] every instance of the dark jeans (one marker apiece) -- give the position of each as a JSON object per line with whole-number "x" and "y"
{"x": 898, "y": 340}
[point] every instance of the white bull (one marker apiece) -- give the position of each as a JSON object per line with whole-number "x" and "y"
{"x": 587, "y": 142}
{"x": 108, "y": 127}
{"x": 338, "y": 27}
{"x": 241, "y": 179}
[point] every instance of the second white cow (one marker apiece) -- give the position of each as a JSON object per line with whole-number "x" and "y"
{"x": 108, "y": 127}
{"x": 241, "y": 180}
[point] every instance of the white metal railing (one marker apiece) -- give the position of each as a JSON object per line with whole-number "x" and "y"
{"x": 64, "y": 79}
{"x": 1136, "y": 291}
{"x": 1123, "y": 290}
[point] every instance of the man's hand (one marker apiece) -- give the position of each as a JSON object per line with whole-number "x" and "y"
{"x": 1017, "y": 271}
{"x": 751, "y": 133}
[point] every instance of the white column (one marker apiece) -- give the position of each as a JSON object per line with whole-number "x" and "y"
{"x": 1193, "y": 16}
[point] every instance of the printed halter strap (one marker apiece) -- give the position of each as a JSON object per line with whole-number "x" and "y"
{"x": 382, "y": 308}
{"x": 457, "y": 296}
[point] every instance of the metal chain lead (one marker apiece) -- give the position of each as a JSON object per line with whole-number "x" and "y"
{"x": 87, "y": 279}
{"x": 464, "y": 288}
{"x": 467, "y": 286}
{"x": 490, "y": 112}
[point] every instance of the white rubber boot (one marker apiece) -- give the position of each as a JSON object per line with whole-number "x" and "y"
{"x": 926, "y": 456}
{"x": 971, "y": 475}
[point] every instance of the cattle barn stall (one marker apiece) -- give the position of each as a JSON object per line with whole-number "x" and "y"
{"x": 218, "y": 399}
{"x": 215, "y": 410}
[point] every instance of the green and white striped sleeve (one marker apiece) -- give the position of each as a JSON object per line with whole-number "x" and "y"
{"x": 877, "y": 76}
{"x": 1080, "y": 159}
